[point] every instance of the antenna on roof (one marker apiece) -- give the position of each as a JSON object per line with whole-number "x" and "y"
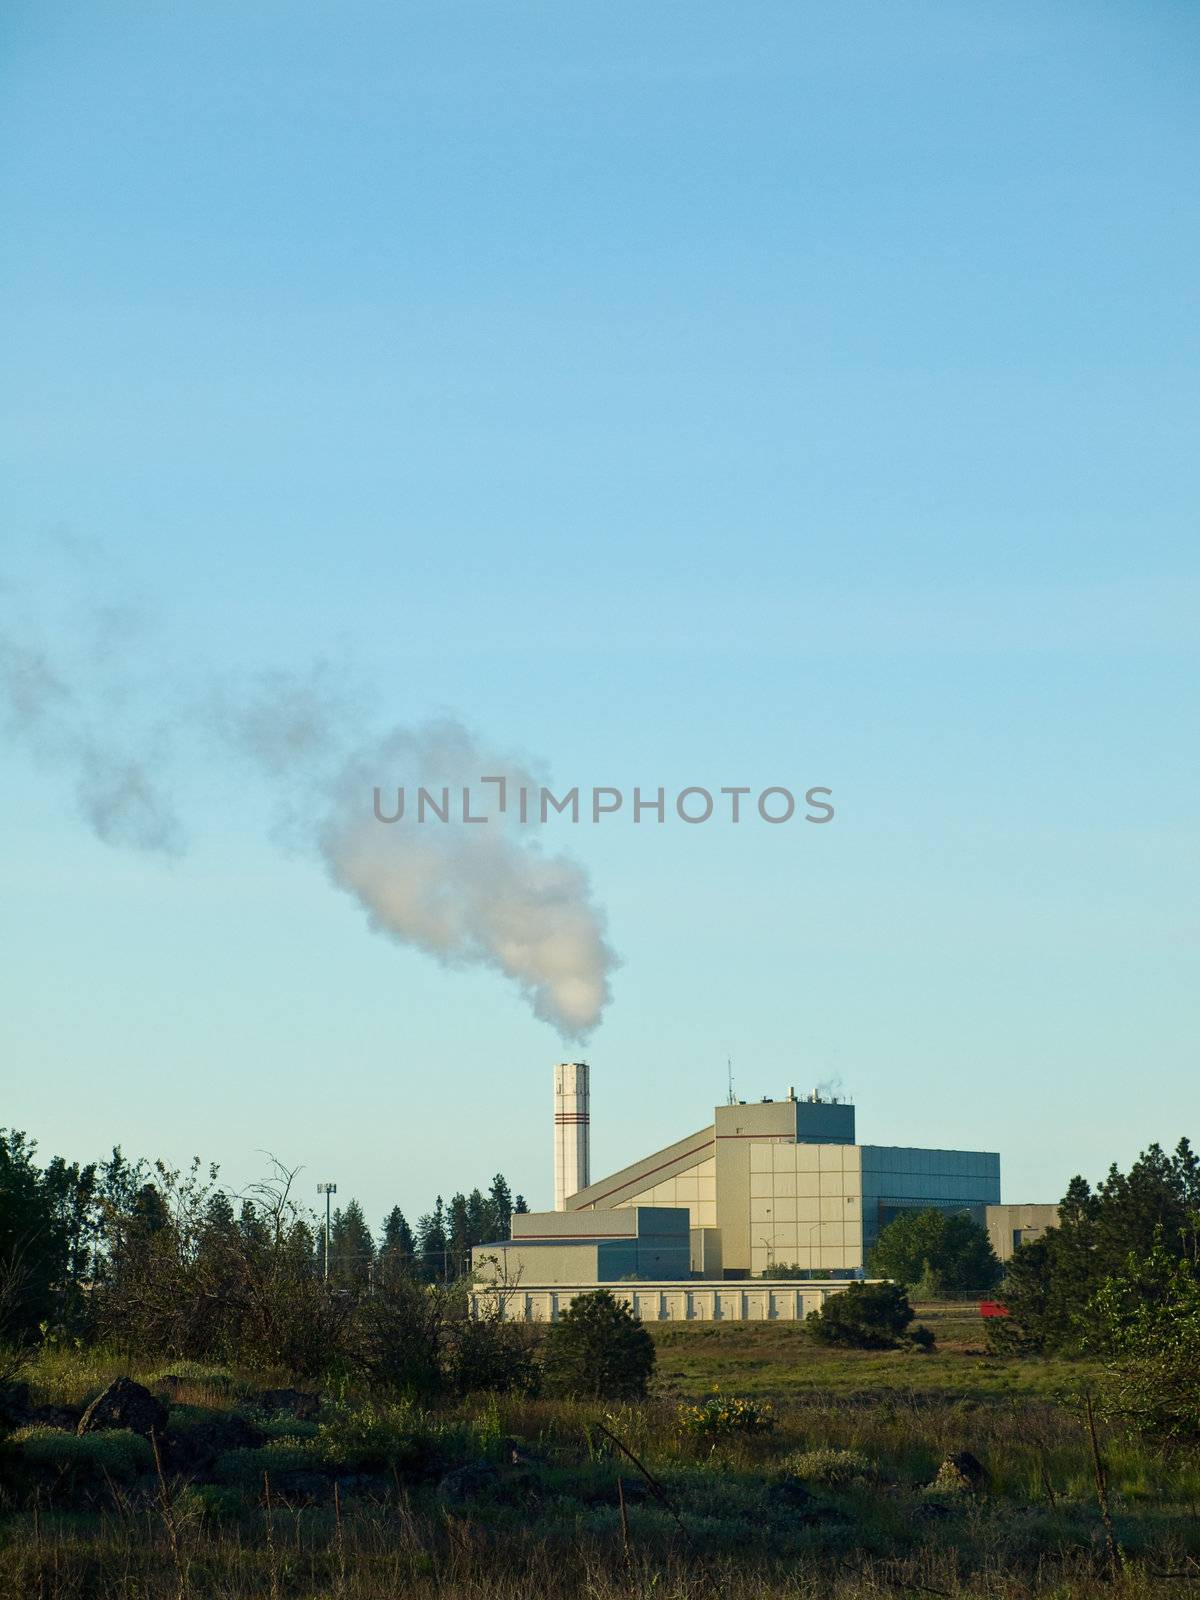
{"x": 731, "y": 1100}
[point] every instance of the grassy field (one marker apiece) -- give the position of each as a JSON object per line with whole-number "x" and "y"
{"x": 500, "y": 1498}
{"x": 778, "y": 1361}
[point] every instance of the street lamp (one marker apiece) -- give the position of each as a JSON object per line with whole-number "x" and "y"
{"x": 327, "y": 1189}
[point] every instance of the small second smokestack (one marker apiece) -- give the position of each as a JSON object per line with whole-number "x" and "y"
{"x": 572, "y": 1135}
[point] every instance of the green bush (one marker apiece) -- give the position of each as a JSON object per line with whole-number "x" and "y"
{"x": 376, "y": 1438}
{"x": 488, "y": 1354}
{"x": 380, "y": 1439}
{"x": 864, "y": 1316}
{"x": 598, "y": 1349}
{"x": 831, "y": 1468}
{"x": 247, "y": 1467}
{"x": 211, "y": 1502}
{"x": 722, "y": 1415}
{"x": 116, "y": 1452}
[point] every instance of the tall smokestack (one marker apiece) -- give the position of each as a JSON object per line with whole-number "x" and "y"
{"x": 572, "y": 1137}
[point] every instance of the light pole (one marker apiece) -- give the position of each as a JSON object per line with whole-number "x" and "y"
{"x": 327, "y": 1189}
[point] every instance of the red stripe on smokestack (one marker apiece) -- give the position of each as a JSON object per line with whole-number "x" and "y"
{"x": 572, "y": 1135}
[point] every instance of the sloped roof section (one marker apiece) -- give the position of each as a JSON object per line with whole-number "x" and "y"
{"x": 666, "y": 1163}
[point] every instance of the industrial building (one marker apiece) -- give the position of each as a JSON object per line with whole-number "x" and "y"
{"x": 1009, "y": 1227}
{"x": 765, "y": 1185}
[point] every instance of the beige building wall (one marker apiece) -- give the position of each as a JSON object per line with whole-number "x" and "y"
{"x": 782, "y": 1204}
{"x": 805, "y": 1207}
{"x": 574, "y": 1262}
{"x": 694, "y": 1187}
{"x": 572, "y": 1224}
{"x": 707, "y": 1260}
{"x": 1011, "y": 1226}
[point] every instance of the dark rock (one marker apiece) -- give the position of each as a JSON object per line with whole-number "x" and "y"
{"x": 125, "y": 1404}
{"x": 468, "y": 1483}
{"x": 289, "y": 1402}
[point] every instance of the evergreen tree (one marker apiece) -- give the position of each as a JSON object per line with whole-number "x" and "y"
{"x": 458, "y": 1230}
{"x": 598, "y": 1349}
{"x": 1048, "y": 1282}
{"x": 351, "y": 1248}
{"x": 397, "y": 1248}
{"x": 72, "y": 1192}
{"x": 252, "y": 1227}
{"x": 33, "y": 1240}
{"x": 520, "y": 1208}
{"x": 432, "y": 1243}
{"x": 501, "y": 1205}
{"x": 479, "y": 1218}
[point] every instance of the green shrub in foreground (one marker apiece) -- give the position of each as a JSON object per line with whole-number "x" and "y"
{"x": 211, "y": 1502}
{"x": 864, "y": 1316}
{"x": 245, "y": 1468}
{"x": 599, "y": 1350}
{"x": 117, "y": 1452}
{"x": 379, "y": 1439}
{"x": 376, "y": 1438}
{"x": 721, "y": 1415}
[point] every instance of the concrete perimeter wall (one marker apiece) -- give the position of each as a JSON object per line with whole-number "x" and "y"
{"x": 762, "y": 1301}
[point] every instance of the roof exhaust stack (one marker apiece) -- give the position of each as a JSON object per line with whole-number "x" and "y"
{"x": 572, "y": 1131}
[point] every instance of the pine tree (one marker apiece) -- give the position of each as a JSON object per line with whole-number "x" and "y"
{"x": 397, "y": 1248}
{"x": 520, "y": 1207}
{"x": 501, "y": 1204}
{"x": 1048, "y": 1283}
{"x": 33, "y": 1245}
{"x": 432, "y": 1243}
{"x": 458, "y": 1231}
{"x": 351, "y": 1248}
{"x": 479, "y": 1218}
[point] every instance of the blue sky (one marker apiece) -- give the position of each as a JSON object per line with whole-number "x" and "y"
{"x": 680, "y": 394}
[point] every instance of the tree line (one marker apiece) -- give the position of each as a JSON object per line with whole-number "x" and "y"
{"x": 85, "y": 1248}
{"x": 1118, "y": 1280}
{"x": 438, "y": 1250}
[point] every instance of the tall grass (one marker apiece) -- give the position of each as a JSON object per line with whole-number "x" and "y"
{"x": 753, "y": 1514}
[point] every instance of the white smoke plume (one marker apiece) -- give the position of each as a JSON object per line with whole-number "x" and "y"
{"x": 469, "y": 895}
{"x": 74, "y": 712}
